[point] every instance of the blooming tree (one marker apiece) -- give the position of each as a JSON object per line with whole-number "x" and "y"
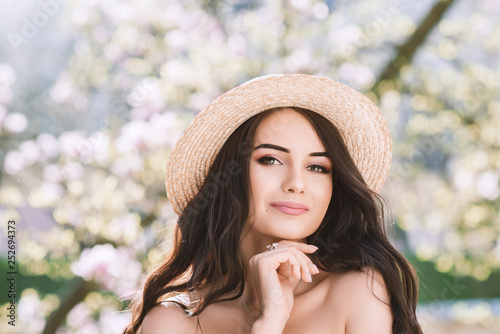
{"x": 138, "y": 71}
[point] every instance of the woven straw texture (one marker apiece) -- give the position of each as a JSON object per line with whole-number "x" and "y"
{"x": 361, "y": 124}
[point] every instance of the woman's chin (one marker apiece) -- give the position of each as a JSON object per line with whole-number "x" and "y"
{"x": 288, "y": 235}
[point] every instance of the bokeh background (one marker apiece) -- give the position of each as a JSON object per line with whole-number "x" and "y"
{"x": 94, "y": 94}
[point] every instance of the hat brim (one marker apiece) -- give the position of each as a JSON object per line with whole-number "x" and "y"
{"x": 359, "y": 121}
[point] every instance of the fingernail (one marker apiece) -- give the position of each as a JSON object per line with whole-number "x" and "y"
{"x": 316, "y": 269}
{"x": 309, "y": 277}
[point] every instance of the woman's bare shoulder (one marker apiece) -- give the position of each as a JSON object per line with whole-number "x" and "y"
{"x": 168, "y": 317}
{"x": 365, "y": 300}
{"x": 367, "y": 283}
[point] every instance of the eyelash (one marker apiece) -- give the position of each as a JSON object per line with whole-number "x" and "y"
{"x": 323, "y": 169}
{"x": 266, "y": 160}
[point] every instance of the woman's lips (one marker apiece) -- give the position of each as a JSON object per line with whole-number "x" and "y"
{"x": 290, "y": 208}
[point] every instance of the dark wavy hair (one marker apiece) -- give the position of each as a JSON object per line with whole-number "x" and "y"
{"x": 206, "y": 252}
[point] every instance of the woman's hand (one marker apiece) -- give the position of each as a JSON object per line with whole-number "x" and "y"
{"x": 276, "y": 274}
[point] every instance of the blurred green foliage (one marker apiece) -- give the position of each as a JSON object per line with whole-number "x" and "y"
{"x": 42, "y": 283}
{"x": 438, "y": 286}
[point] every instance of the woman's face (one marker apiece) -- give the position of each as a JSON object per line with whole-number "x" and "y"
{"x": 290, "y": 177}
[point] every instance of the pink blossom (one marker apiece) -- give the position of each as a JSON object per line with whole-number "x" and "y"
{"x": 74, "y": 144}
{"x": 5, "y": 95}
{"x": 30, "y": 151}
{"x": 359, "y": 75}
{"x": 49, "y": 145}
{"x": 113, "y": 268}
{"x": 14, "y": 162}
{"x": 101, "y": 143}
{"x": 31, "y": 310}
{"x": 7, "y": 75}
{"x": 52, "y": 173}
{"x": 80, "y": 317}
{"x": 127, "y": 165}
{"x": 487, "y": 184}
{"x": 112, "y": 321}
{"x": 72, "y": 171}
{"x": 63, "y": 91}
{"x": 15, "y": 122}
{"x": 132, "y": 136}
{"x": 52, "y": 191}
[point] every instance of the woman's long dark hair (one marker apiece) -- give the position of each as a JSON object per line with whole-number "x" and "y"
{"x": 207, "y": 255}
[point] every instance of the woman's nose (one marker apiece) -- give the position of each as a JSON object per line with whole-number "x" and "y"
{"x": 294, "y": 181}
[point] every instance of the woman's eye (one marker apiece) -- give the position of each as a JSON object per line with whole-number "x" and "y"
{"x": 318, "y": 169}
{"x": 269, "y": 161}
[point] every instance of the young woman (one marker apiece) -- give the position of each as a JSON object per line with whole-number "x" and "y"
{"x": 280, "y": 227}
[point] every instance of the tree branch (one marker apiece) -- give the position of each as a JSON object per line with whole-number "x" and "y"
{"x": 71, "y": 296}
{"x": 407, "y": 50}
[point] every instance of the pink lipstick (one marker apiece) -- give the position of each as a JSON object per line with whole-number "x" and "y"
{"x": 290, "y": 208}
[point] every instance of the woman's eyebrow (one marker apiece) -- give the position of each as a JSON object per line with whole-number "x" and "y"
{"x": 279, "y": 148}
{"x": 274, "y": 147}
{"x": 319, "y": 154}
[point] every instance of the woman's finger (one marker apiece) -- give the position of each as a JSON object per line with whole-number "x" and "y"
{"x": 305, "y": 248}
{"x": 300, "y": 265}
{"x": 305, "y": 269}
{"x": 313, "y": 269}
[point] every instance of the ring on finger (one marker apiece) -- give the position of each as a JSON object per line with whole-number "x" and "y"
{"x": 272, "y": 246}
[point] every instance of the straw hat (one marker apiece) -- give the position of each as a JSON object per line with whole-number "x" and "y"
{"x": 359, "y": 121}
